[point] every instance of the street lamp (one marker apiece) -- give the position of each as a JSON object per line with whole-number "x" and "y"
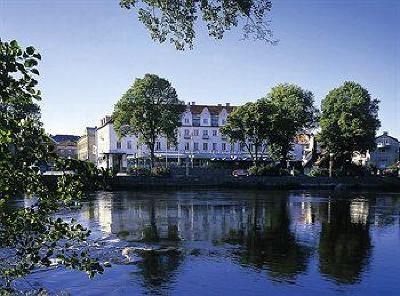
{"x": 331, "y": 155}
{"x": 166, "y": 155}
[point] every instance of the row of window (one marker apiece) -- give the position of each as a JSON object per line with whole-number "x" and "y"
{"x": 196, "y": 132}
{"x": 196, "y": 146}
{"x": 196, "y": 121}
{"x": 205, "y": 147}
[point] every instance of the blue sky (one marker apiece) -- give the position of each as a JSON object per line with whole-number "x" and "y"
{"x": 93, "y": 50}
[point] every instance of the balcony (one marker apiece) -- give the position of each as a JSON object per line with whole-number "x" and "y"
{"x": 187, "y": 136}
{"x": 205, "y": 137}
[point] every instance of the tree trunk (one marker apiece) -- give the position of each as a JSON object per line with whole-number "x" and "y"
{"x": 151, "y": 146}
{"x": 284, "y": 157}
{"x": 255, "y": 155}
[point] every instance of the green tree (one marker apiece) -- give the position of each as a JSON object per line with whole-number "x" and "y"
{"x": 349, "y": 122}
{"x": 291, "y": 112}
{"x": 248, "y": 125}
{"x": 149, "y": 109}
{"x": 175, "y": 20}
{"x": 29, "y": 236}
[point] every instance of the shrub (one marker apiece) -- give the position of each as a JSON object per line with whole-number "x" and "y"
{"x": 268, "y": 170}
{"x": 356, "y": 170}
{"x": 139, "y": 171}
{"x": 319, "y": 172}
{"x": 160, "y": 171}
{"x": 392, "y": 171}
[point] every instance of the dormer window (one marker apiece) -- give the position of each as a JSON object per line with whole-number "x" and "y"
{"x": 187, "y": 120}
{"x": 205, "y": 121}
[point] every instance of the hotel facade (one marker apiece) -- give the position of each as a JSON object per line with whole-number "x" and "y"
{"x": 199, "y": 140}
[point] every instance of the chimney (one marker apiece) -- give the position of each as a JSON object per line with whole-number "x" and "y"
{"x": 219, "y": 105}
{"x": 228, "y": 104}
{"x": 193, "y": 103}
{"x": 385, "y": 133}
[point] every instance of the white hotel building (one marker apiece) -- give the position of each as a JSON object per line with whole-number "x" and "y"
{"x": 199, "y": 140}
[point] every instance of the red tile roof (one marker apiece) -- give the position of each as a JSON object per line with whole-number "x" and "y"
{"x": 213, "y": 109}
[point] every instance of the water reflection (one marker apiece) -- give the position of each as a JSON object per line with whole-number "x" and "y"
{"x": 345, "y": 242}
{"x": 268, "y": 241}
{"x": 158, "y": 271}
{"x": 280, "y": 234}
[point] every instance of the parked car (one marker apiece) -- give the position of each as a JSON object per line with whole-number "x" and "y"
{"x": 240, "y": 173}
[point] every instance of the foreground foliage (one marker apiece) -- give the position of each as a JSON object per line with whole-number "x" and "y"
{"x": 30, "y": 236}
{"x": 175, "y": 21}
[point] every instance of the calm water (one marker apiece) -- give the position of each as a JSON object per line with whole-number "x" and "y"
{"x": 241, "y": 243}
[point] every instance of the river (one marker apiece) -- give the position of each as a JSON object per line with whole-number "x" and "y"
{"x": 239, "y": 243}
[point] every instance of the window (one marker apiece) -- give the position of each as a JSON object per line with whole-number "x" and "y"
{"x": 195, "y": 146}
{"x": 205, "y": 121}
{"x": 223, "y": 121}
{"x": 205, "y": 132}
{"x": 168, "y": 146}
{"x": 196, "y": 120}
{"x": 205, "y": 146}
{"x": 223, "y": 146}
{"x": 129, "y": 145}
{"x": 214, "y": 146}
{"x": 158, "y": 146}
{"x": 187, "y": 132}
{"x": 214, "y": 120}
{"x": 242, "y": 146}
{"x": 215, "y": 133}
{"x": 187, "y": 146}
{"x": 196, "y": 132}
{"x": 118, "y": 145}
{"x": 187, "y": 120}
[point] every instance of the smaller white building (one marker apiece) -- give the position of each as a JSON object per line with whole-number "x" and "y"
{"x": 385, "y": 155}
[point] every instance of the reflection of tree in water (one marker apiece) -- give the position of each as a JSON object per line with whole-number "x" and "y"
{"x": 159, "y": 270}
{"x": 271, "y": 244}
{"x": 344, "y": 246}
{"x": 150, "y": 233}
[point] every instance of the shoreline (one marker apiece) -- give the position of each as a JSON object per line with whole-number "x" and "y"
{"x": 370, "y": 183}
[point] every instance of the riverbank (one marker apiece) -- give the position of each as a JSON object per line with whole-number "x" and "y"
{"x": 212, "y": 180}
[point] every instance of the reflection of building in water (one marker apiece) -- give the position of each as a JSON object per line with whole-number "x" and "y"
{"x": 359, "y": 211}
{"x": 386, "y": 211}
{"x": 192, "y": 220}
{"x": 100, "y": 212}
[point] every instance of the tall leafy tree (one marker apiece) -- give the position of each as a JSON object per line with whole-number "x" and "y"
{"x": 29, "y": 236}
{"x": 149, "y": 109}
{"x": 292, "y": 111}
{"x": 175, "y": 21}
{"x": 248, "y": 125}
{"x": 349, "y": 121}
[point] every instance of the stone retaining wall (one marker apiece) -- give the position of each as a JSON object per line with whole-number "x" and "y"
{"x": 213, "y": 180}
